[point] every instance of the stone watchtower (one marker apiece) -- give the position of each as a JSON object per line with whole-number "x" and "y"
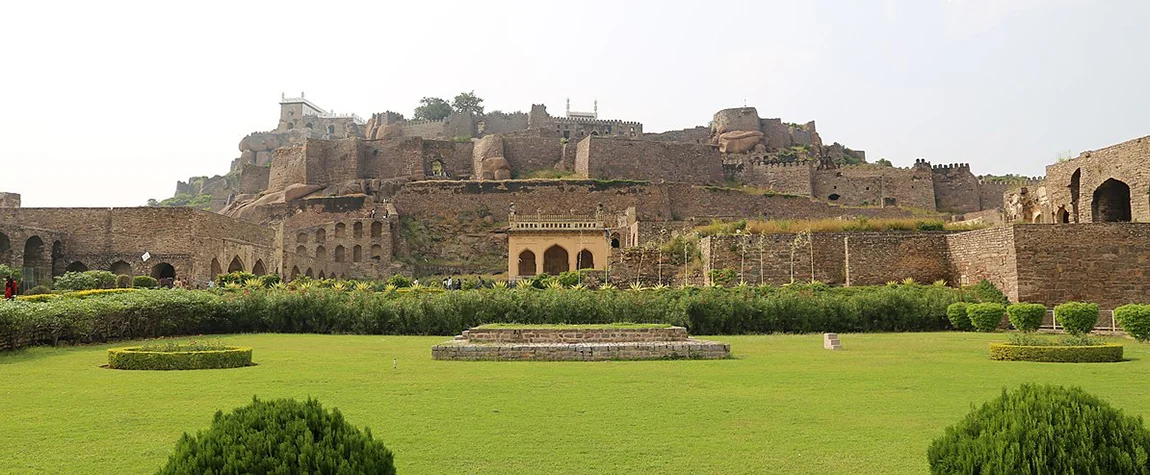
{"x": 293, "y": 110}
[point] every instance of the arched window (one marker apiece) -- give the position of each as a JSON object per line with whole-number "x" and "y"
{"x": 586, "y": 260}
{"x": 357, "y": 230}
{"x": 615, "y": 240}
{"x": 309, "y": 273}
{"x": 376, "y": 229}
{"x": 258, "y": 267}
{"x": 339, "y": 253}
{"x": 301, "y": 250}
{"x": 527, "y": 263}
{"x": 555, "y": 260}
{"x": 340, "y": 230}
{"x": 236, "y": 265}
{"x": 294, "y": 272}
{"x": 331, "y": 129}
{"x": 301, "y": 238}
{"x": 320, "y": 252}
{"x": 322, "y": 275}
{"x": 217, "y": 269}
{"x": 320, "y": 236}
{"x": 356, "y": 253}
{"x": 376, "y": 252}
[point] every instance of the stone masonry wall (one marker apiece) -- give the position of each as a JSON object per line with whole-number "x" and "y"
{"x": 789, "y": 178}
{"x": 1125, "y": 162}
{"x": 622, "y": 159}
{"x": 956, "y": 189}
{"x": 877, "y": 258}
{"x": 984, "y": 254}
{"x": 1103, "y": 263}
{"x": 574, "y": 335}
{"x": 876, "y": 186}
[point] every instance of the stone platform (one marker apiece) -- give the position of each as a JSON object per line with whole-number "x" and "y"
{"x": 577, "y": 344}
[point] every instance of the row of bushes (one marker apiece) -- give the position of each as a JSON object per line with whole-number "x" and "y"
{"x": 1077, "y": 318}
{"x": 96, "y": 279}
{"x": 796, "y": 309}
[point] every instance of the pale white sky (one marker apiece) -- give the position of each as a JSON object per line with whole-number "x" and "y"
{"x": 109, "y": 103}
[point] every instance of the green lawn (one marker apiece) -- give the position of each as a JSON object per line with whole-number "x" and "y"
{"x": 783, "y": 405}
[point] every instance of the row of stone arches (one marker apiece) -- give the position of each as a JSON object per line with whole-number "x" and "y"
{"x": 160, "y": 270}
{"x": 237, "y": 265}
{"x": 320, "y": 236}
{"x": 340, "y": 253}
{"x": 311, "y": 274}
{"x": 556, "y": 260}
{"x": 1110, "y": 202}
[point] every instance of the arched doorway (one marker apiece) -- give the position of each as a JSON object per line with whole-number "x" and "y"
{"x": 217, "y": 269}
{"x": 1075, "y": 191}
{"x": 322, "y": 275}
{"x": 294, "y": 272}
{"x": 57, "y": 258}
{"x": 615, "y": 240}
{"x": 1111, "y": 202}
{"x": 258, "y": 268}
{"x": 527, "y": 263}
{"x": 357, "y": 230}
{"x": 164, "y": 272}
{"x": 76, "y": 267}
{"x": 555, "y": 260}
{"x": 34, "y": 262}
{"x": 586, "y": 260}
{"x": 236, "y": 265}
{"x": 1061, "y": 216}
{"x": 121, "y": 268}
{"x": 309, "y": 273}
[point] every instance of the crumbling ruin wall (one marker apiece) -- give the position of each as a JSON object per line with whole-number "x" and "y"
{"x": 9, "y": 200}
{"x": 956, "y": 189}
{"x": 1125, "y": 162}
{"x": 529, "y": 154}
{"x": 878, "y": 258}
{"x": 873, "y": 185}
{"x": 622, "y": 159}
{"x": 788, "y": 178}
{"x": 254, "y": 179}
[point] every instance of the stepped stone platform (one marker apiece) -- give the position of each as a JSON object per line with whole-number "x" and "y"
{"x": 578, "y": 343}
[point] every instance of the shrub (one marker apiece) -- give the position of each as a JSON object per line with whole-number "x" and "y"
{"x": 1077, "y": 317}
{"x": 569, "y": 278}
{"x": 1057, "y": 353}
{"x": 280, "y": 436}
{"x": 237, "y": 277}
{"x": 986, "y": 317}
{"x": 104, "y": 279}
{"x": 399, "y": 281}
{"x": 144, "y": 282}
{"x": 123, "y": 281}
{"x": 956, "y": 313}
{"x": 38, "y": 290}
{"x": 76, "y": 281}
{"x": 1026, "y": 317}
{"x": 1135, "y": 320}
{"x": 1043, "y": 429}
{"x": 6, "y": 272}
{"x": 270, "y": 279}
{"x": 985, "y": 291}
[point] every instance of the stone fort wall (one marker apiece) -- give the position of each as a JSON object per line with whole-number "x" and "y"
{"x": 623, "y": 159}
{"x": 1125, "y": 162}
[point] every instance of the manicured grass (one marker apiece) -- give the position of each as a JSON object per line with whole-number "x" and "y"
{"x": 783, "y": 405}
{"x": 602, "y": 326}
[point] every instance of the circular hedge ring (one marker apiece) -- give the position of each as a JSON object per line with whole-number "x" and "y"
{"x": 1106, "y": 353}
{"x": 137, "y": 358}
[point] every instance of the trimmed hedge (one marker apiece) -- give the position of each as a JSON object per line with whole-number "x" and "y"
{"x": 145, "y": 282}
{"x": 956, "y": 313}
{"x": 1077, "y": 318}
{"x": 986, "y": 317}
{"x": 1105, "y": 353}
{"x": 416, "y": 311}
{"x": 1026, "y": 317}
{"x": 1043, "y": 430}
{"x": 1135, "y": 320}
{"x": 281, "y": 436}
{"x": 135, "y": 358}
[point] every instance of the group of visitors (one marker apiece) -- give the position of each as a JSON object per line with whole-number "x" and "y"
{"x": 11, "y": 290}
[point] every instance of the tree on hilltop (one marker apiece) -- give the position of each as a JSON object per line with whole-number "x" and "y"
{"x": 432, "y": 108}
{"x": 468, "y": 101}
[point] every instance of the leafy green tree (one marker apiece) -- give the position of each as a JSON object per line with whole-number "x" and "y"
{"x": 883, "y": 162}
{"x": 432, "y": 108}
{"x": 468, "y": 102}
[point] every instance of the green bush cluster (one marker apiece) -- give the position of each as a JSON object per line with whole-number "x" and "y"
{"x": 245, "y": 278}
{"x": 1077, "y": 318}
{"x": 87, "y": 280}
{"x": 140, "y": 359}
{"x": 986, "y": 316}
{"x": 1026, "y": 317}
{"x": 145, "y": 282}
{"x": 707, "y": 311}
{"x": 1057, "y": 353}
{"x": 280, "y": 436}
{"x": 123, "y": 281}
{"x": 6, "y": 272}
{"x": 956, "y": 313}
{"x": 1043, "y": 430}
{"x": 1135, "y": 320}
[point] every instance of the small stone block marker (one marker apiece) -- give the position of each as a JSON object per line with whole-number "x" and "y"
{"x": 831, "y": 341}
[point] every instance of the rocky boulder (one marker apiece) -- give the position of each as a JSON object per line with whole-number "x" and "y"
{"x": 739, "y": 141}
{"x": 738, "y": 119}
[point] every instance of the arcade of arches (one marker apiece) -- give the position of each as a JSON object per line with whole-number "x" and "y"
{"x": 553, "y": 254}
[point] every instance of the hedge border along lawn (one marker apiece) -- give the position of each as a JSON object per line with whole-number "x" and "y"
{"x": 135, "y": 359}
{"x": 1105, "y": 353}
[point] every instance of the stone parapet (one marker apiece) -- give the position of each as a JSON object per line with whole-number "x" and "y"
{"x": 575, "y": 335}
{"x": 686, "y": 349}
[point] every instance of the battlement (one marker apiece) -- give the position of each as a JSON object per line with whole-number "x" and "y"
{"x": 1019, "y": 181}
{"x": 794, "y": 164}
{"x": 422, "y": 121}
{"x": 333, "y": 115}
{"x": 587, "y": 120}
{"x": 953, "y": 166}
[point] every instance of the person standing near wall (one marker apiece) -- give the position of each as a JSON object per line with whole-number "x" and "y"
{"x": 10, "y": 289}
